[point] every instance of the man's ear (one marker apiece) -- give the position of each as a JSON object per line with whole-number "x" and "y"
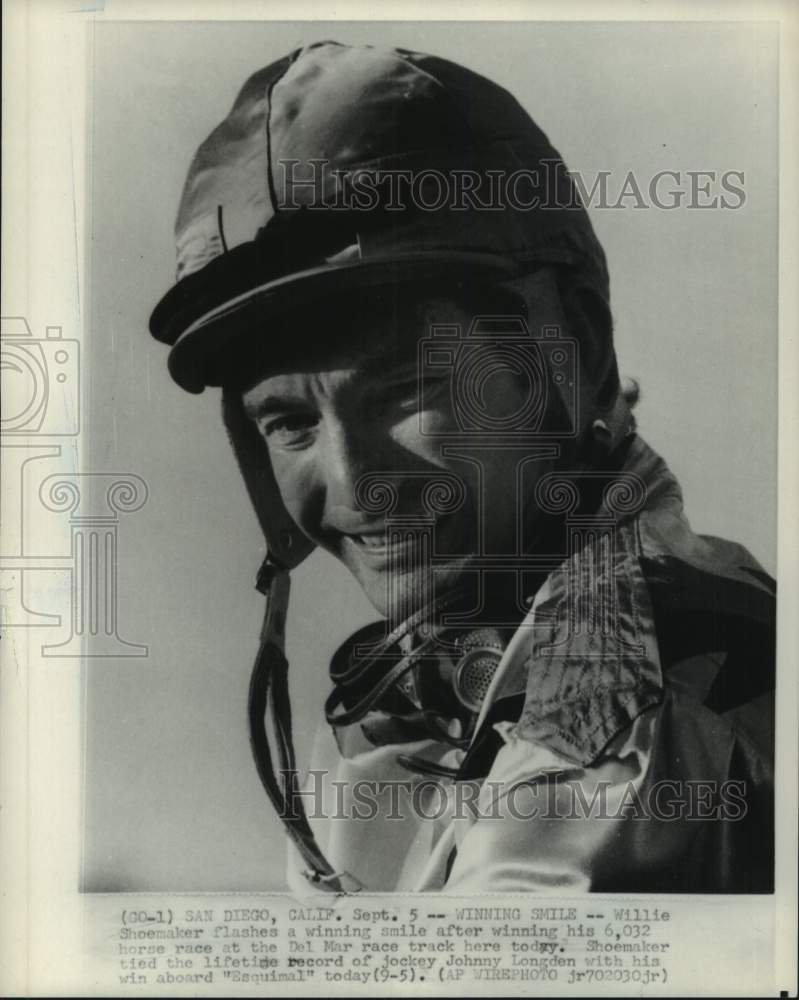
{"x": 589, "y": 319}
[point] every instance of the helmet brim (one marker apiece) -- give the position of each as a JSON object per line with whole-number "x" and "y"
{"x": 201, "y": 355}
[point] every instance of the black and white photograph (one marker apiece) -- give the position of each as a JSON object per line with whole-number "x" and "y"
{"x": 395, "y": 500}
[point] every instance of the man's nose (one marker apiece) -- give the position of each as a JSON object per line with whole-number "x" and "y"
{"x": 348, "y": 451}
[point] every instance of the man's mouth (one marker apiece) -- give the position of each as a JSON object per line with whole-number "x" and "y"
{"x": 384, "y": 540}
{"x": 382, "y": 547}
{"x": 373, "y": 540}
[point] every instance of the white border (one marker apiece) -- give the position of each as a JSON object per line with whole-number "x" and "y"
{"x": 46, "y": 47}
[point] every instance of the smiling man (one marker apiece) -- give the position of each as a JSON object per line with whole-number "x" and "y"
{"x": 360, "y": 408}
{"x": 383, "y": 263}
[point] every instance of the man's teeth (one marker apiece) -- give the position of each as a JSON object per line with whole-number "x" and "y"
{"x": 374, "y": 540}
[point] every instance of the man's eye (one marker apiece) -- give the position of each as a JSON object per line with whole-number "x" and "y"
{"x": 290, "y": 430}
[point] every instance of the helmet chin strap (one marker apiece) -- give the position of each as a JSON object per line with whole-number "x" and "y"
{"x": 269, "y": 713}
{"x": 363, "y": 671}
{"x": 269, "y": 710}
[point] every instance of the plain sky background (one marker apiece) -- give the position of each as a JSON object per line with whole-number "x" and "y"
{"x": 172, "y": 798}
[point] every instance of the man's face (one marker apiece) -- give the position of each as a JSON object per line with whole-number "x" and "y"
{"x": 358, "y": 411}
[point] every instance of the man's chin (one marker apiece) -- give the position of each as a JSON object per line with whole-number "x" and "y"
{"x": 399, "y": 595}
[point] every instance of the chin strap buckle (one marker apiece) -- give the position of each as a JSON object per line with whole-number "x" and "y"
{"x": 341, "y": 883}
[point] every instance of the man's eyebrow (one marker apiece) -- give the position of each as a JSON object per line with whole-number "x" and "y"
{"x": 267, "y": 405}
{"x": 382, "y": 366}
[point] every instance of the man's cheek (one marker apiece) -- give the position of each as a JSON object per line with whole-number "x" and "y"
{"x": 299, "y": 492}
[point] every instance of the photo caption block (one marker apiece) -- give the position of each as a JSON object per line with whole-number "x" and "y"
{"x": 244, "y": 944}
